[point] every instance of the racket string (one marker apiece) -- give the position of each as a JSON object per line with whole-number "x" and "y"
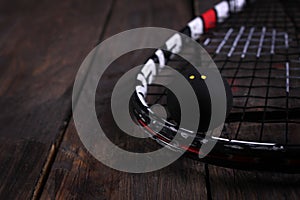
{"x": 257, "y": 51}
{"x": 260, "y": 59}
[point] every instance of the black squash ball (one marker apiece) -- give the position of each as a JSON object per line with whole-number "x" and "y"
{"x": 197, "y": 82}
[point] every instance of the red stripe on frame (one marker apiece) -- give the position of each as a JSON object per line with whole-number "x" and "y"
{"x": 190, "y": 149}
{"x": 210, "y": 19}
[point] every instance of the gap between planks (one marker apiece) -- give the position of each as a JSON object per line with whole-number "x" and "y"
{"x": 39, "y": 187}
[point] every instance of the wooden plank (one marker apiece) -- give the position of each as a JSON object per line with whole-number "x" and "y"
{"x": 238, "y": 184}
{"x": 76, "y": 174}
{"x": 41, "y": 45}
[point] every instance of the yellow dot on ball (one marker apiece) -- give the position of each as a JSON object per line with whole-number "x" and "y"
{"x": 203, "y": 77}
{"x": 192, "y": 77}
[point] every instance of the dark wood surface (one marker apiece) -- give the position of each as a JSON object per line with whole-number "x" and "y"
{"x": 76, "y": 174}
{"x": 42, "y": 44}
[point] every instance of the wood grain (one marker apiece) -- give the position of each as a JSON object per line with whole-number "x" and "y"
{"x": 238, "y": 184}
{"x": 76, "y": 174}
{"x": 42, "y": 44}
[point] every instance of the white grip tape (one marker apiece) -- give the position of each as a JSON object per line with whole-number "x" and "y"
{"x": 142, "y": 99}
{"x": 236, "y": 5}
{"x": 196, "y": 26}
{"x": 222, "y": 10}
{"x": 141, "y": 89}
{"x": 161, "y": 58}
{"x": 174, "y": 43}
{"x": 149, "y": 70}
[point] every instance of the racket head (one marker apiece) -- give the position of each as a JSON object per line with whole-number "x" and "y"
{"x": 247, "y": 151}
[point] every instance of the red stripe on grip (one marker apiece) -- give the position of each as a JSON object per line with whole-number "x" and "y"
{"x": 210, "y": 19}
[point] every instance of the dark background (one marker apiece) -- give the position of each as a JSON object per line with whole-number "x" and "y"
{"x": 42, "y": 44}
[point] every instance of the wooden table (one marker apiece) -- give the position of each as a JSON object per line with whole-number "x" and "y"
{"x": 42, "y": 45}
